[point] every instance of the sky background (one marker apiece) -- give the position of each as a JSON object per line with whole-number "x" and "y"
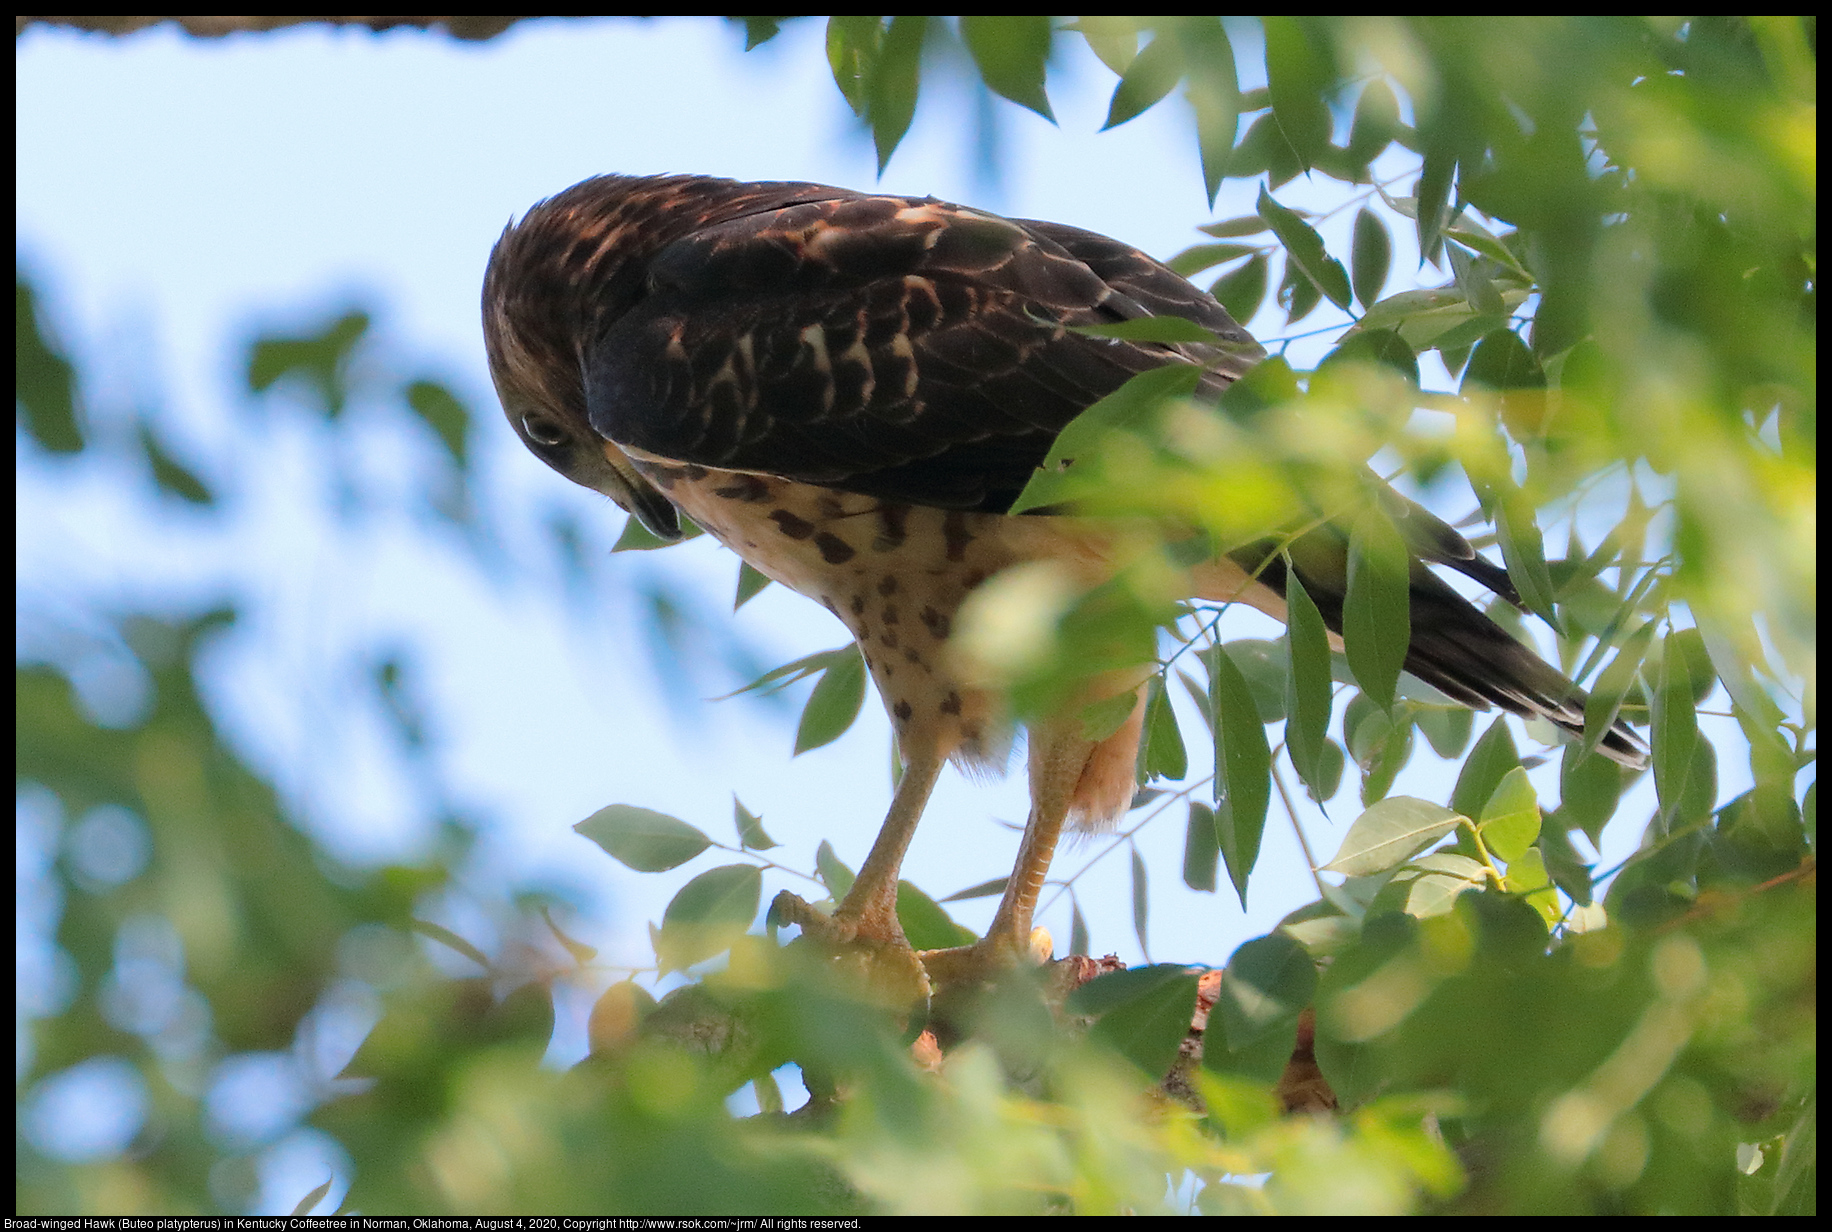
{"x": 175, "y": 197}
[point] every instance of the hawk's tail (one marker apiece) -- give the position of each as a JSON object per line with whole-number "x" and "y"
{"x": 1466, "y": 656}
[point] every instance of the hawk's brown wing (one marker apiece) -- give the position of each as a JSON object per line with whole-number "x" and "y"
{"x": 901, "y": 348}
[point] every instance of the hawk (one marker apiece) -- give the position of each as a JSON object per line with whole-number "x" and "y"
{"x": 849, "y": 390}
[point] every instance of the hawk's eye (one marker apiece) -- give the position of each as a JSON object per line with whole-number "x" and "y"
{"x": 542, "y": 430}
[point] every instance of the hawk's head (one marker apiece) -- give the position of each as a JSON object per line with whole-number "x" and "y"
{"x": 556, "y": 279}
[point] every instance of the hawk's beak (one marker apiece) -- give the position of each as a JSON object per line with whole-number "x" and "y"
{"x": 656, "y": 512}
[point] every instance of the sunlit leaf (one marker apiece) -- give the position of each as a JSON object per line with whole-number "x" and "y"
{"x": 708, "y": 913}
{"x": 1510, "y": 820}
{"x": 643, "y": 839}
{"x": 1389, "y": 833}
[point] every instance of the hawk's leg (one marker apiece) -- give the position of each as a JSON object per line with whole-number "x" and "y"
{"x": 1069, "y": 775}
{"x": 864, "y": 927}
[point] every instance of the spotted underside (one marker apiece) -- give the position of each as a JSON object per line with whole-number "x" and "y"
{"x": 896, "y": 575}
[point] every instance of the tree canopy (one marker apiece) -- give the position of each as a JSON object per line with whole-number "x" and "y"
{"x": 1607, "y": 353}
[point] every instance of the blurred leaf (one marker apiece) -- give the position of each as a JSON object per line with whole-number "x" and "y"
{"x": 1201, "y": 848}
{"x": 833, "y": 872}
{"x": 1266, "y": 984}
{"x": 1448, "y": 728}
{"x": 321, "y": 360}
{"x": 1370, "y": 255}
{"x": 1012, "y": 54}
{"x": 1605, "y": 700}
{"x": 1078, "y": 930}
{"x": 643, "y": 839}
{"x": 44, "y": 383}
{"x": 1141, "y": 903}
{"x": 1142, "y": 1013}
{"x": 1242, "y": 290}
{"x": 1304, "y": 248}
{"x": 926, "y": 925}
{"x": 1152, "y": 74}
{"x": 708, "y": 913}
{"x": 1252, "y": 224}
{"x": 1298, "y": 74}
{"x": 1307, "y": 684}
{"x": 751, "y": 834}
{"x": 985, "y": 889}
{"x": 439, "y": 408}
{"x": 1675, "y": 736}
{"x": 1376, "y": 613}
{"x": 1193, "y": 260}
{"x": 452, "y": 941}
{"x": 1243, "y": 769}
{"x": 170, "y": 474}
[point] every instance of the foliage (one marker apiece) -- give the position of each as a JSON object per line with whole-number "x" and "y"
{"x": 1619, "y": 214}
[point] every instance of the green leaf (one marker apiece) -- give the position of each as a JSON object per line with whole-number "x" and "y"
{"x": 451, "y": 940}
{"x": 801, "y": 669}
{"x": 1523, "y": 552}
{"x": 1243, "y": 290}
{"x": 1526, "y": 876}
{"x": 305, "y": 1204}
{"x": 1375, "y": 124}
{"x": 1605, "y": 700}
{"x": 832, "y": 871}
{"x": 1307, "y": 684}
{"x": 1012, "y": 54}
{"x": 1389, "y": 833}
{"x": 643, "y": 839}
{"x": 1243, "y": 769}
{"x": 833, "y": 705}
{"x": 1214, "y": 96}
{"x": 750, "y": 828}
{"x": 925, "y": 924}
{"x": 985, "y": 889}
{"x": 1142, "y": 1013}
{"x": 1377, "y": 610}
{"x": 893, "y": 84}
{"x": 1448, "y": 728}
{"x": 1510, "y": 820}
{"x": 1589, "y": 786}
{"x": 1502, "y": 361}
{"x": 1474, "y": 283}
{"x": 44, "y": 382}
{"x": 440, "y": 409}
{"x": 1149, "y": 329}
{"x": 1078, "y": 929}
{"x": 1370, "y": 256}
{"x": 1385, "y": 347}
{"x": 1304, "y": 247}
{"x": 1265, "y": 986}
{"x": 750, "y": 581}
{"x": 1265, "y": 664}
{"x": 1114, "y": 40}
{"x": 1380, "y": 741}
{"x": 1675, "y": 734}
{"x": 1232, "y": 228}
{"x": 169, "y": 473}
{"x": 1153, "y": 73}
{"x": 1141, "y": 903}
{"x": 1133, "y": 404}
{"x": 1298, "y": 76}
{"x": 1439, "y": 165}
{"x": 708, "y": 914}
{"x": 1487, "y": 764}
{"x": 1165, "y": 756}
{"x": 1198, "y": 257}
{"x": 1201, "y": 848}
{"x": 638, "y": 538}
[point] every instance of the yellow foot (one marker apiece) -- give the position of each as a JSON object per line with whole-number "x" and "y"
{"x": 984, "y": 961}
{"x": 874, "y": 954}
